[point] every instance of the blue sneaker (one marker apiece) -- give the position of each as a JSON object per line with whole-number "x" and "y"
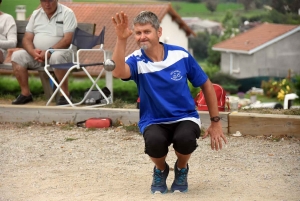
{"x": 159, "y": 180}
{"x": 180, "y": 183}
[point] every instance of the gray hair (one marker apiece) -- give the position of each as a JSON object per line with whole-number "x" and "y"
{"x": 147, "y": 17}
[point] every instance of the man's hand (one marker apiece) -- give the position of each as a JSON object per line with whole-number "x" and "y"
{"x": 37, "y": 55}
{"x": 40, "y": 55}
{"x": 121, "y": 25}
{"x": 216, "y": 135}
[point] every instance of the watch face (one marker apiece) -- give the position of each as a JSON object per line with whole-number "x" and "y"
{"x": 215, "y": 119}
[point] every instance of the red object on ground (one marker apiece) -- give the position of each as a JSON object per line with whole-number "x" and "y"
{"x": 95, "y": 123}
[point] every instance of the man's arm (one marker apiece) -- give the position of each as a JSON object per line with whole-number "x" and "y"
{"x": 120, "y": 22}
{"x": 11, "y": 35}
{"x": 28, "y": 44}
{"x": 215, "y": 129}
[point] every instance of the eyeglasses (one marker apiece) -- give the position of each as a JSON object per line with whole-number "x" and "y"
{"x": 45, "y": 1}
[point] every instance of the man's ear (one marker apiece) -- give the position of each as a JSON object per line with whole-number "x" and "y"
{"x": 159, "y": 31}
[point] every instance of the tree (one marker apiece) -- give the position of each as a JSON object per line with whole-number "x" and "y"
{"x": 214, "y": 57}
{"x": 246, "y": 3}
{"x": 230, "y": 25}
{"x": 199, "y": 45}
{"x": 211, "y": 5}
{"x": 286, "y": 6}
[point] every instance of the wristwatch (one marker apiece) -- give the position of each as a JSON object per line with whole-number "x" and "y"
{"x": 215, "y": 119}
{"x": 51, "y": 50}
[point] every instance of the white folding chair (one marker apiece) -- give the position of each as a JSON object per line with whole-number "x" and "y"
{"x": 85, "y": 42}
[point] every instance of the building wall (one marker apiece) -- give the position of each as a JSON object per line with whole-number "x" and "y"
{"x": 172, "y": 34}
{"x": 274, "y": 60}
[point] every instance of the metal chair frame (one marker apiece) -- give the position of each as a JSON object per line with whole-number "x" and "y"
{"x": 76, "y": 65}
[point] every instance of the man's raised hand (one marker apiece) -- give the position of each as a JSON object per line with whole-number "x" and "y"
{"x": 120, "y": 22}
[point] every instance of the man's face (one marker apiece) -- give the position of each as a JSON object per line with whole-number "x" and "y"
{"x": 49, "y": 6}
{"x": 146, "y": 35}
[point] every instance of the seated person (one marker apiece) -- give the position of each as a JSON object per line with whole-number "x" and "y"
{"x": 8, "y": 34}
{"x": 49, "y": 27}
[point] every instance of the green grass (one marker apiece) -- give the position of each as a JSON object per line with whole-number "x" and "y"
{"x": 186, "y": 9}
{"x": 9, "y": 6}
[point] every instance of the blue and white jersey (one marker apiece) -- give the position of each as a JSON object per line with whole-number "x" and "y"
{"x": 163, "y": 86}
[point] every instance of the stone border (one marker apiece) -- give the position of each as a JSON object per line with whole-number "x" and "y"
{"x": 246, "y": 123}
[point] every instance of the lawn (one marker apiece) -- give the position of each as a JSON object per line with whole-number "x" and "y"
{"x": 184, "y": 9}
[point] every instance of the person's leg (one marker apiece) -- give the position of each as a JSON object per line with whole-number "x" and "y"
{"x": 59, "y": 57}
{"x": 184, "y": 143}
{"x": 20, "y": 61}
{"x": 182, "y": 160}
{"x": 1, "y": 57}
{"x": 21, "y": 75}
{"x": 157, "y": 141}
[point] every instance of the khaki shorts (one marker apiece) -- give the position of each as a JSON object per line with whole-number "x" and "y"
{"x": 25, "y": 60}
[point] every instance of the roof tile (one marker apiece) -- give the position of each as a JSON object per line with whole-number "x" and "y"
{"x": 255, "y": 37}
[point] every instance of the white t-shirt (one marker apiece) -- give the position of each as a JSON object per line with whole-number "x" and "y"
{"x": 49, "y": 32}
{"x": 8, "y": 32}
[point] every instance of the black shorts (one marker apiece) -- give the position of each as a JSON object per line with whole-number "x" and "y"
{"x": 183, "y": 135}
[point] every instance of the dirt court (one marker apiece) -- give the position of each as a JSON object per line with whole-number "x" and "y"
{"x": 63, "y": 163}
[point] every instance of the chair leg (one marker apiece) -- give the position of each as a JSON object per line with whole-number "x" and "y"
{"x": 58, "y": 87}
{"x": 98, "y": 88}
{"x": 48, "y": 91}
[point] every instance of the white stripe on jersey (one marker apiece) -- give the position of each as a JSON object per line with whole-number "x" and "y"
{"x": 150, "y": 67}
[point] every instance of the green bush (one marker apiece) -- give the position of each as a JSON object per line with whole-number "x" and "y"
{"x": 10, "y": 86}
{"x": 296, "y": 81}
{"x": 227, "y": 81}
{"x": 125, "y": 91}
{"x": 210, "y": 69}
{"x": 277, "y": 89}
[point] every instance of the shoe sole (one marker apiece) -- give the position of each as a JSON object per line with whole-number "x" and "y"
{"x": 158, "y": 192}
{"x": 178, "y": 191}
{"x": 22, "y": 103}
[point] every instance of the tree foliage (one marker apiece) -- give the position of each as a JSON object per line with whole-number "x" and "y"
{"x": 286, "y": 6}
{"x": 247, "y": 4}
{"x": 211, "y": 5}
{"x": 199, "y": 45}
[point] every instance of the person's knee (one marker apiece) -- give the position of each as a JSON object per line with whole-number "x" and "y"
{"x": 185, "y": 146}
{"x": 185, "y": 138}
{"x": 59, "y": 57}
{"x": 156, "y": 146}
{"x": 18, "y": 57}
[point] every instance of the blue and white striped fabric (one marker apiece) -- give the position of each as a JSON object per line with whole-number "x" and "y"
{"x": 163, "y": 86}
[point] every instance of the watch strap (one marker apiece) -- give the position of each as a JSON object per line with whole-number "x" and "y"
{"x": 215, "y": 118}
{"x": 51, "y": 50}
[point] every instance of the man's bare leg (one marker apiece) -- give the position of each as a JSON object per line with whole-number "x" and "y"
{"x": 182, "y": 160}
{"x": 21, "y": 74}
{"x": 60, "y": 75}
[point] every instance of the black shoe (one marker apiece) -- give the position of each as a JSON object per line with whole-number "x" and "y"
{"x": 63, "y": 101}
{"x": 22, "y": 100}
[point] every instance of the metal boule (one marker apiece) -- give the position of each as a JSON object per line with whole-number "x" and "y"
{"x": 109, "y": 65}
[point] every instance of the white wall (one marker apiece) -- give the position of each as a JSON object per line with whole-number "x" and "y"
{"x": 172, "y": 34}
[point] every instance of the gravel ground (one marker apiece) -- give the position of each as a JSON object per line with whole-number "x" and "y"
{"x": 65, "y": 163}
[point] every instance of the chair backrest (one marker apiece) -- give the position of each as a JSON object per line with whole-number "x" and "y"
{"x": 221, "y": 98}
{"x": 85, "y": 40}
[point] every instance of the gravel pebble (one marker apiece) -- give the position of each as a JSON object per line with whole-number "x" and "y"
{"x": 61, "y": 162}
